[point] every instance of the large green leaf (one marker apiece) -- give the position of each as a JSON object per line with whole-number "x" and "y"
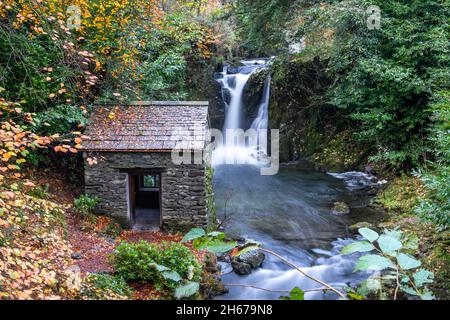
{"x": 220, "y": 246}
{"x": 368, "y": 234}
{"x": 171, "y": 275}
{"x": 193, "y": 234}
{"x": 407, "y": 262}
{"x": 295, "y": 294}
{"x": 388, "y": 244}
{"x": 422, "y": 276}
{"x": 358, "y": 246}
{"x": 187, "y": 290}
{"x": 373, "y": 262}
{"x": 395, "y": 233}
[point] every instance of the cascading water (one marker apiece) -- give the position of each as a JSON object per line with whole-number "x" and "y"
{"x": 233, "y": 85}
{"x": 262, "y": 119}
{"x": 289, "y": 213}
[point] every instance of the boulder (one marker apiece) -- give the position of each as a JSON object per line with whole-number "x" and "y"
{"x": 241, "y": 267}
{"x": 340, "y": 208}
{"x": 254, "y": 258}
{"x": 246, "y": 262}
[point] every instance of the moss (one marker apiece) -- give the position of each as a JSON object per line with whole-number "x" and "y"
{"x": 210, "y": 198}
{"x": 401, "y": 195}
{"x": 399, "y": 199}
{"x": 340, "y": 153}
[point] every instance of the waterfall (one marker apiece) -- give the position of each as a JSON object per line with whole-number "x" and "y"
{"x": 235, "y": 84}
{"x": 262, "y": 120}
{"x": 233, "y": 81}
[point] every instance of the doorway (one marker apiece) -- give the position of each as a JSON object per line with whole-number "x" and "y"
{"x": 145, "y": 201}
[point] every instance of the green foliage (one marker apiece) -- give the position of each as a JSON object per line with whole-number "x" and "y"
{"x": 168, "y": 265}
{"x": 85, "y": 205}
{"x": 61, "y": 118}
{"x": 187, "y": 290}
{"x": 435, "y": 206}
{"x": 401, "y": 195}
{"x": 213, "y": 241}
{"x": 210, "y": 198}
{"x": 392, "y": 255}
{"x": 384, "y": 77}
{"x": 295, "y": 294}
{"x": 262, "y": 24}
{"x": 103, "y": 285}
{"x": 382, "y": 80}
{"x": 40, "y": 192}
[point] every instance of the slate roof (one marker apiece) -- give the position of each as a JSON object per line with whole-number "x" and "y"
{"x": 147, "y": 126}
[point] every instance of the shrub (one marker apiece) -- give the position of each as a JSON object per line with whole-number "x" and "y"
{"x": 85, "y": 205}
{"x": 165, "y": 264}
{"x": 435, "y": 206}
{"x": 105, "y": 286}
{"x": 392, "y": 254}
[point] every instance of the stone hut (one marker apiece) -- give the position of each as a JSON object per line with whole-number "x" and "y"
{"x": 129, "y": 163}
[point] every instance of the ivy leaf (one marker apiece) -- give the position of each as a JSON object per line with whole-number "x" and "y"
{"x": 194, "y": 233}
{"x": 423, "y": 276}
{"x": 373, "y": 262}
{"x": 295, "y": 294}
{"x": 407, "y": 262}
{"x": 187, "y": 290}
{"x": 388, "y": 244}
{"x": 358, "y": 246}
{"x": 368, "y": 234}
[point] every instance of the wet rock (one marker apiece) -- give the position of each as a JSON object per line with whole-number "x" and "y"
{"x": 223, "y": 257}
{"x": 363, "y": 224}
{"x": 225, "y": 267}
{"x": 226, "y": 94}
{"x": 340, "y": 208}
{"x": 255, "y": 258}
{"x": 241, "y": 267}
{"x": 76, "y": 256}
{"x": 246, "y": 262}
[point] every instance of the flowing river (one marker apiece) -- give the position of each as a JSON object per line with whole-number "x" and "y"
{"x": 289, "y": 213}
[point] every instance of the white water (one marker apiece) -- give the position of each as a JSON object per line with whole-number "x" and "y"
{"x": 290, "y": 213}
{"x": 262, "y": 119}
{"x": 234, "y": 83}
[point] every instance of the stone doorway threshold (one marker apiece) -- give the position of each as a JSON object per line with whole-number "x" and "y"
{"x": 146, "y": 219}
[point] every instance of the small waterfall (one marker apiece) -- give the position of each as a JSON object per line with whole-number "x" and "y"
{"x": 235, "y": 84}
{"x": 233, "y": 81}
{"x": 262, "y": 120}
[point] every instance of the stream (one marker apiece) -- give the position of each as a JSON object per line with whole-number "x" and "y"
{"x": 289, "y": 213}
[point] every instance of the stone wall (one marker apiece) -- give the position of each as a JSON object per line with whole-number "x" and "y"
{"x": 183, "y": 202}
